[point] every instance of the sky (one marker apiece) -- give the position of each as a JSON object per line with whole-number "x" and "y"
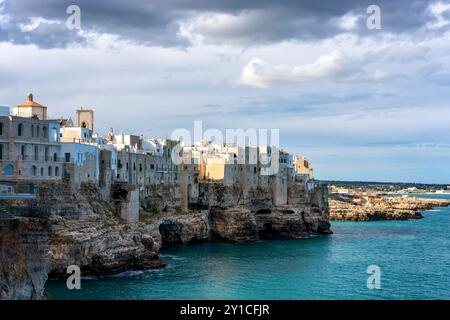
{"x": 361, "y": 104}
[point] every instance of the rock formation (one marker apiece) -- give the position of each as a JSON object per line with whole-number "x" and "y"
{"x": 24, "y": 258}
{"x": 365, "y": 208}
{"x": 64, "y": 227}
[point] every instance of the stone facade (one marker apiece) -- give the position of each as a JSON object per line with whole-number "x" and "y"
{"x": 29, "y": 149}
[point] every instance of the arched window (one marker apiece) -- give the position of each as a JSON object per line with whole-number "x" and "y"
{"x": 33, "y": 171}
{"x": 36, "y": 153}
{"x": 55, "y": 157}
{"x": 8, "y": 170}
{"x": 46, "y": 154}
{"x": 44, "y": 132}
{"x": 20, "y": 129}
{"x": 37, "y": 132}
{"x": 57, "y": 171}
{"x": 42, "y": 172}
{"x": 55, "y": 135}
{"x": 50, "y": 171}
{"x": 32, "y": 130}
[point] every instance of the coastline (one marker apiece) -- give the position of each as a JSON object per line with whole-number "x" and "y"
{"x": 369, "y": 206}
{"x": 85, "y": 230}
{"x": 293, "y": 269}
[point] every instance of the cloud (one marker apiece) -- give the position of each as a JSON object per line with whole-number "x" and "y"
{"x": 329, "y": 84}
{"x": 260, "y": 74}
{"x": 438, "y": 10}
{"x": 35, "y": 22}
{"x": 349, "y": 21}
{"x": 178, "y": 23}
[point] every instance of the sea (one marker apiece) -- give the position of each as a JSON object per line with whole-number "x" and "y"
{"x": 360, "y": 260}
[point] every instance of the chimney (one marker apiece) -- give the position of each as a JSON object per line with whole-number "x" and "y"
{"x": 30, "y": 97}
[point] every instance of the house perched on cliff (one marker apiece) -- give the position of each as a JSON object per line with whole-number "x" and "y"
{"x": 34, "y": 148}
{"x": 30, "y": 147}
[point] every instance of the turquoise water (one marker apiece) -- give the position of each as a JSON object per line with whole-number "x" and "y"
{"x": 414, "y": 257}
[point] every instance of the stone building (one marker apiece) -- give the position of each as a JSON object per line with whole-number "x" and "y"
{"x": 29, "y": 109}
{"x": 85, "y": 119}
{"x": 303, "y": 167}
{"x": 29, "y": 144}
{"x": 81, "y": 163}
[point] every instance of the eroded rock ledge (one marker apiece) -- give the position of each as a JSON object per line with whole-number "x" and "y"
{"x": 364, "y": 208}
{"x": 237, "y": 219}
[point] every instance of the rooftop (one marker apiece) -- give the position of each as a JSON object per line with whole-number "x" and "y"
{"x": 30, "y": 103}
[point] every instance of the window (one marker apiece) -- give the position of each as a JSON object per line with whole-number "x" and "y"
{"x": 42, "y": 172}
{"x": 67, "y": 156}
{"x": 32, "y": 130}
{"x": 50, "y": 171}
{"x": 23, "y": 151}
{"x": 8, "y": 170}
{"x": 46, "y": 154}
{"x": 57, "y": 171}
{"x": 55, "y": 135}
{"x": 55, "y": 157}
{"x": 20, "y": 129}
{"x": 37, "y": 132}
{"x": 36, "y": 153}
{"x": 33, "y": 171}
{"x": 152, "y": 166}
{"x": 1, "y": 152}
{"x": 140, "y": 167}
{"x": 44, "y": 132}
{"x": 1, "y": 128}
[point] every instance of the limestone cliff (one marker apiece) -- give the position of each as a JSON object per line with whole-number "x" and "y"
{"x": 255, "y": 217}
{"x": 364, "y": 208}
{"x": 24, "y": 258}
{"x": 87, "y": 233}
{"x": 66, "y": 227}
{"x": 72, "y": 228}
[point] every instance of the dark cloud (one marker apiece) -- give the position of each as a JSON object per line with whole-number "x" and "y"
{"x": 157, "y": 22}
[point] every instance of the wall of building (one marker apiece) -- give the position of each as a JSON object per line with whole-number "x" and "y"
{"x": 81, "y": 162}
{"x": 28, "y": 149}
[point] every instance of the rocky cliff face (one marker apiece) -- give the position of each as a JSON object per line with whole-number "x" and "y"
{"x": 86, "y": 233}
{"x": 81, "y": 230}
{"x": 233, "y": 217}
{"x": 78, "y": 228}
{"x": 24, "y": 258}
{"x": 184, "y": 229}
{"x": 306, "y": 212}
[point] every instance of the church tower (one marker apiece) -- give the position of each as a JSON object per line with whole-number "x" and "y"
{"x": 85, "y": 118}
